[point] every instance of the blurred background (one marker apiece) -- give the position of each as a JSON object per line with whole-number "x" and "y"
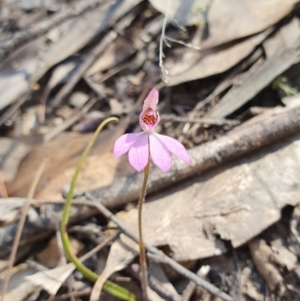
{"x": 228, "y": 73}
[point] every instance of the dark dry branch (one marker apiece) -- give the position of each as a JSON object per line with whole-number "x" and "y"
{"x": 205, "y": 120}
{"x": 258, "y": 132}
{"x": 159, "y": 255}
{"x": 24, "y": 36}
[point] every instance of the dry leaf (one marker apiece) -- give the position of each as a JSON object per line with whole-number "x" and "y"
{"x": 283, "y": 255}
{"x": 234, "y": 19}
{"x": 199, "y": 64}
{"x": 115, "y": 53}
{"x": 10, "y": 210}
{"x": 235, "y": 202}
{"x": 262, "y": 257}
{"x": 156, "y": 270}
{"x": 282, "y": 52}
{"x": 52, "y": 280}
{"x": 21, "y": 292}
{"x": 63, "y": 153}
{"x": 50, "y": 256}
{"x": 12, "y": 152}
{"x": 121, "y": 253}
{"x": 185, "y": 12}
{"x": 18, "y": 288}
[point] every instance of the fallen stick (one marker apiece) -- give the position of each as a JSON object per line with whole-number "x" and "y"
{"x": 259, "y": 132}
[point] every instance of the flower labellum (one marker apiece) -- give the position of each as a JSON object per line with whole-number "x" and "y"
{"x": 147, "y": 143}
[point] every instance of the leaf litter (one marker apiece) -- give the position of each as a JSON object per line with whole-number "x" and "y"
{"x": 226, "y": 61}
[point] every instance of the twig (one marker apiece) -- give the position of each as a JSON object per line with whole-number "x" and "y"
{"x": 24, "y": 36}
{"x": 160, "y": 256}
{"x": 188, "y": 45}
{"x": 21, "y": 225}
{"x": 154, "y": 284}
{"x": 83, "y": 258}
{"x": 162, "y": 39}
{"x": 205, "y": 120}
{"x": 190, "y": 288}
{"x": 99, "y": 247}
{"x": 82, "y": 293}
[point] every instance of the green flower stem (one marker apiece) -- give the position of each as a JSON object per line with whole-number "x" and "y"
{"x": 143, "y": 262}
{"x": 109, "y": 286}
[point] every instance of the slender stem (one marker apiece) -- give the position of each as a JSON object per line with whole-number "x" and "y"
{"x": 143, "y": 262}
{"x": 109, "y": 286}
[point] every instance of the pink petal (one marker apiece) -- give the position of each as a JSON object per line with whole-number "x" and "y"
{"x": 138, "y": 155}
{"x": 151, "y": 101}
{"x": 175, "y": 147}
{"x": 124, "y": 143}
{"x": 159, "y": 153}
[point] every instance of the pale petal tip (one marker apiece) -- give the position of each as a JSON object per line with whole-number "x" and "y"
{"x": 151, "y": 100}
{"x": 154, "y": 90}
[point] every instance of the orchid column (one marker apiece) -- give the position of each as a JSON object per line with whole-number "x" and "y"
{"x": 143, "y": 148}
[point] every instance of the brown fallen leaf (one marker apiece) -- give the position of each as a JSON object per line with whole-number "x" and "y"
{"x": 231, "y": 19}
{"x": 99, "y": 168}
{"x": 50, "y": 256}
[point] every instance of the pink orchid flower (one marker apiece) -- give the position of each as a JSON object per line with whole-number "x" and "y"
{"x": 147, "y": 143}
